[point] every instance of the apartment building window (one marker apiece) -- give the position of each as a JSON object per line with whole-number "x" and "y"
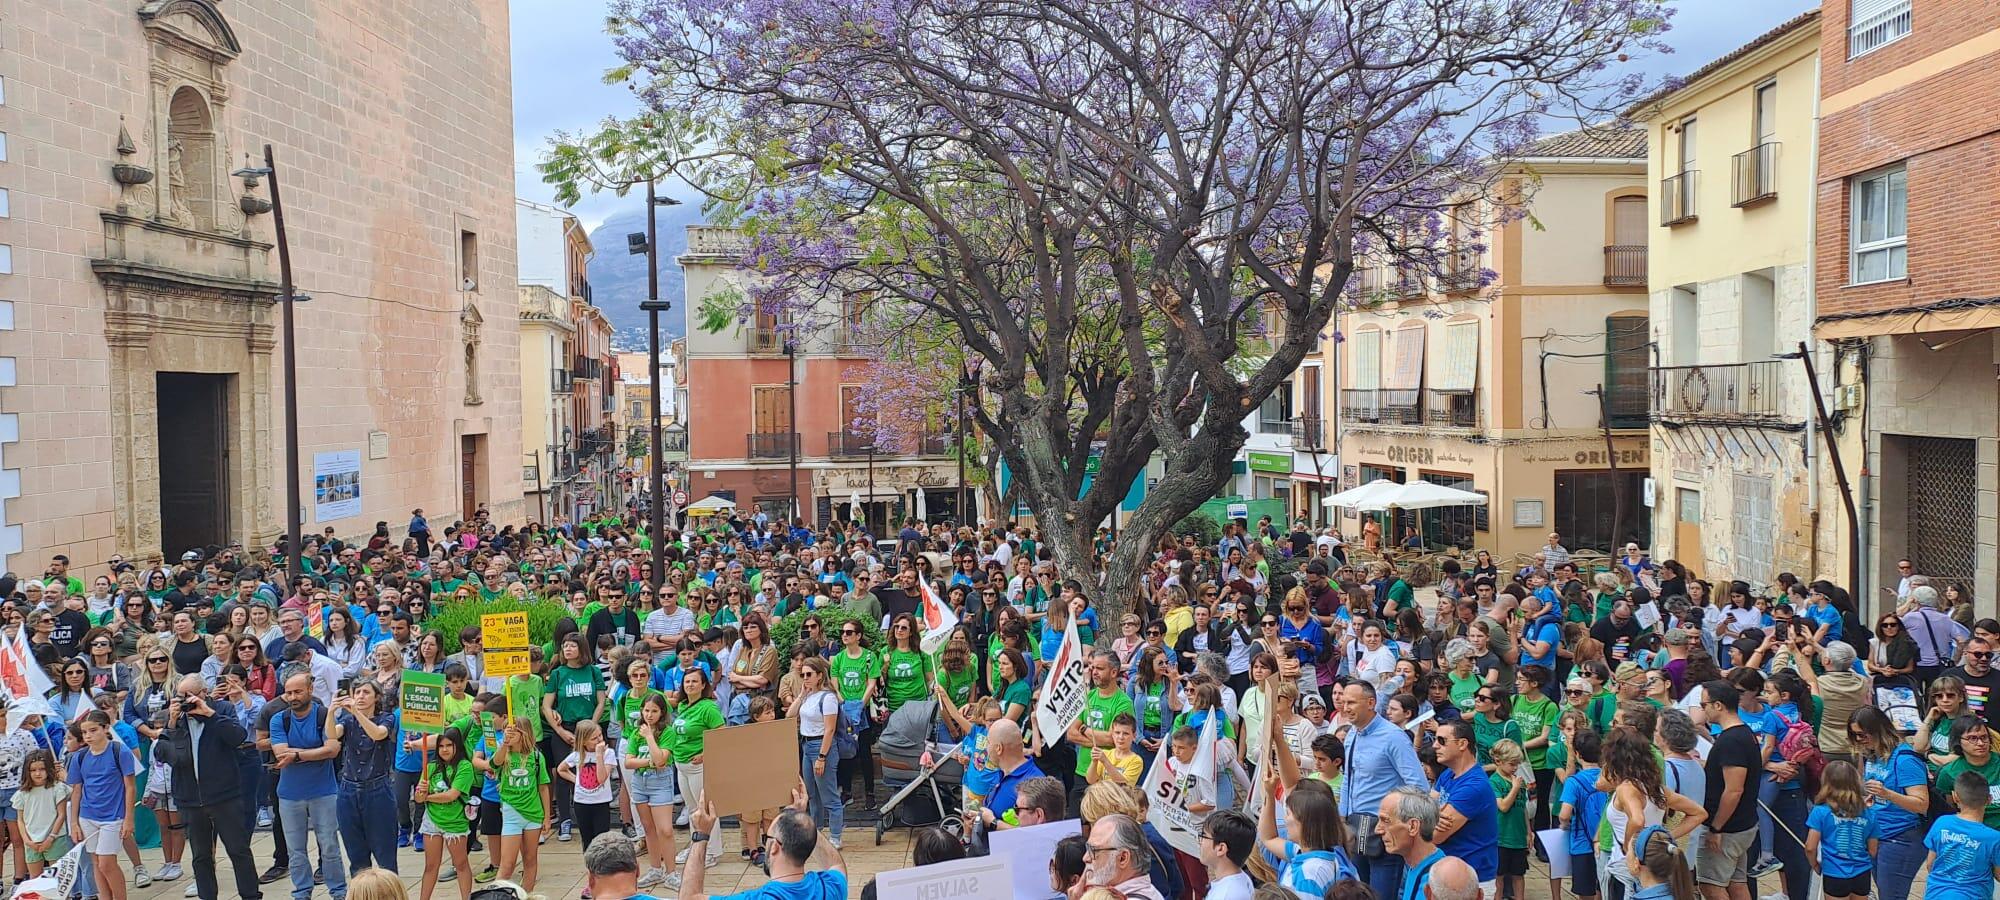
{"x": 1626, "y": 346}
{"x": 1874, "y": 23}
{"x": 1880, "y": 231}
{"x": 1754, "y": 518}
{"x": 468, "y": 260}
{"x": 1275, "y": 416}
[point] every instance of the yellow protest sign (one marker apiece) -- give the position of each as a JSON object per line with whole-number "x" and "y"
{"x": 507, "y": 663}
{"x": 508, "y": 630}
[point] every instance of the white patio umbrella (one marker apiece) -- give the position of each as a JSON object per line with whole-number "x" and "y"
{"x": 1361, "y": 497}
{"x": 709, "y": 506}
{"x": 1425, "y": 495}
{"x": 923, "y": 508}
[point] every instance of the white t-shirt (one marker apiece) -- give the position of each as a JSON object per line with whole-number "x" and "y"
{"x": 1232, "y": 887}
{"x": 813, "y": 712}
{"x": 607, "y": 763}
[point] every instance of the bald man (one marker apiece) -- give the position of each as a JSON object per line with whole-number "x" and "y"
{"x": 199, "y": 746}
{"x": 1452, "y": 879}
{"x": 1005, "y": 755}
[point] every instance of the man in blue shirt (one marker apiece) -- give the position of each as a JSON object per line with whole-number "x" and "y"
{"x": 1469, "y": 814}
{"x": 1379, "y": 758}
{"x": 789, "y": 842}
{"x": 1407, "y": 821}
{"x": 308, "y": 803}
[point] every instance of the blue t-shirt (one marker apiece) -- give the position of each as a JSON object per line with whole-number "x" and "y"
{"x": 1764, "y": 723}
{"x": 302, "y": 780}
{"x": 825, "y": 885}
{"x": 1580, "y": 791}
{"x": 1550, "y": 631}
{"x": 407, "y": 760}
{"x": 1825, "y": 615}
{"x": 1900, "y": 772}
{"x": 1843, "y": 842}
{"x": 1001, "y": 800}
{"x": 1966, "y": 854}
{"x": 100, "y": 781}
{"x": 1416, "y": 877}
{"x": 1478, "y": 840}
{"x": 980, "y": 775}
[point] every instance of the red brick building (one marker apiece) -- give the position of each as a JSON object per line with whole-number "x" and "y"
{"x": 1907, "y": 278}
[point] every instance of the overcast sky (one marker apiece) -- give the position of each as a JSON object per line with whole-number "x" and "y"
{"x": 561, "y": 53}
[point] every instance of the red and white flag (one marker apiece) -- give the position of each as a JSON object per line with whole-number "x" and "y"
{"x": 19, "y": 671}
{"x": 939, "y": 620}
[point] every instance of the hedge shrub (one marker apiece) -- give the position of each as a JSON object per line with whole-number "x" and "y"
{"x": 453, "y": 617}
{"x": 785, "y": 631}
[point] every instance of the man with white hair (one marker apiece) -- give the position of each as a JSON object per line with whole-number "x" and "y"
{"x": 1452, "y": 879}
{"x": 1117, "y": 856}
{"x": 1841, "y": 691}
{"x": 1934, "y": 632}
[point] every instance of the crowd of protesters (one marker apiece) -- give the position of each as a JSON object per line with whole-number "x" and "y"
{"x": 1661, "y": 735}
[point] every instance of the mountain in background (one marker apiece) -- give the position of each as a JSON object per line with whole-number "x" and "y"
{"x": 618, "y": 278}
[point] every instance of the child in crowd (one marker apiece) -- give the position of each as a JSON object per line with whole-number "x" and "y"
{"x": 762, "y": 709}
{"x": 1583, "y": 806}
{"x": 1329, "y": 758}
{"x": 1964, "y": 852}
{"x": 42, "y": 807}
{"x": 160, "y": 799}
{"x": 589, "y": 768}
{"x": 981, "y": 777}
{"x": 1841, "y": 834}
{"x": 1120, "y": 764}
{"x": 1511, "y": 788}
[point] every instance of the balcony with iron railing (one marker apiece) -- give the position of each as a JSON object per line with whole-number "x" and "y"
{"x": 1381, "y": 407}
{"x": 1731, "y": 392}
{"x": 849, "y": 445}
{"x": 1461, "y": 273}
{"x": 1308, "y": 432}
{"x": 1754, "y": 175}
{"x": 1677, "y": 198}
{"x": 772, "y": 444}
{"x": 765, "y": 339}
{"x": 1451, "y": 409}
{"x": 1625, "y": 265}
{"x": 1407, "y": 286}
{"x": 561, "y": 382}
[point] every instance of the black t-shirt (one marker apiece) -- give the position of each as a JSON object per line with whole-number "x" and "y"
{"x": 189, "y": 655}
{"x": 70, "y": 627}
{"x": 1609, "y": 632}
{"x": 896, "y": 601}
{"x": 1735, "y": 747}
{"x": 1982, "y": 692}
{"x": 624, "y": 625}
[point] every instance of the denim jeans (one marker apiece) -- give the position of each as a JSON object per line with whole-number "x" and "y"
{"x": 1897, "y": 860}
{"x": 319, "y": 817}
{"x": 822, "y": 791}
{"x": 250, "y": 773}
{"x": 1790, "y": 809}
{"x": 368, "y": 824}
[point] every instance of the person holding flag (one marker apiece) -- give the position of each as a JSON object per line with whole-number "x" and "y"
{"x": 1101, "y": 704}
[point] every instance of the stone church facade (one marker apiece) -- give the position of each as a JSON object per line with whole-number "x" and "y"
{"x": 139, "y": 289}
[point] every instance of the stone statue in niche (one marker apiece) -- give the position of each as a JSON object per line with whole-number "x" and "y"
{"x": 178, "y": 211}
{"x": 469, "y": 322}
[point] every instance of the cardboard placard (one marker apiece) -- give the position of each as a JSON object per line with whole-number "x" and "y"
{"x": 422, "y": 708}
{"x": 506, "y": 630}
{"x": 975, "y": 878}
{"x": 762, "y": 767}
{"x": 1030, "y": 850}
{"x": 507, "y": 663}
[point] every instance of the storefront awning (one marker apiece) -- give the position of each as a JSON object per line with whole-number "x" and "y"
{"x": 1950, "y": 315}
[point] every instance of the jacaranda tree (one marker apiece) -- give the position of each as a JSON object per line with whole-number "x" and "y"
{"x": 1104, "y": 202}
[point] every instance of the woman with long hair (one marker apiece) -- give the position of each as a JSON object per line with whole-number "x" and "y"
{"x": 1899, "y": 793}
{"x": 344, "y": 644}
{"x": 1934, "y": 735}
{"x": 523, "y": 775}
{"x": 263, "y": 675}
{"x": 906, "y": 668}
{"x": 695, "y": 716}
{"x": 430, "y": 653}
{"x": 1892, "y": 656}
{"x": 221, "y": 647}
{"x": 1639, "y": 799}
{"x": 1156, "y": 698}
{"x": 131, "y": 621}
{"x": 817, "y": 710}
{"x": 72, "y": 694}
{"x": 755, "y": 669}
{"x": 956, "y": 671}
{"x": 649, "y": 779}
{"x": 575, "y": 693}
{"x": 441, "y": 796}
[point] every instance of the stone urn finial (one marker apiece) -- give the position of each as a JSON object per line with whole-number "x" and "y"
{"x": 124, "y": 171}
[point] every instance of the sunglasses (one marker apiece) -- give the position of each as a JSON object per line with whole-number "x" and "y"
{"x": 849, "y": 631}
{"x": 1269, "y": 623}
{"x": 1575, "y": 692}
{"x": 1155, "y": 632}
{"x": 100, "y": 643}
{"x": 156, "y": 659}
{"x": 1979, "y": 654}
{"x": 1888, "y": 625}
{"x": 1944, "y": 695}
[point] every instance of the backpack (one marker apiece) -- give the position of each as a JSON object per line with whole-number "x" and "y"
{"x": 845, "y": 745}
{"x": 1800, "y": 747}
{"x": 1295, "y": 876}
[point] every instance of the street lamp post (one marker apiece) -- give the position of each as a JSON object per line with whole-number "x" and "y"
{"x": 964, "y": 387}
{"x": 792, "y": 418}
{"x": 656, "y": 509}
{"x": 294, "y": 510}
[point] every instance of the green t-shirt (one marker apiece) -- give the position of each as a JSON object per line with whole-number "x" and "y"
{"x": 691, "y": 721}
{"x": 575, "y": 689}
{"x": 906, "y": 677}
{"x": 1557, "y": 752}
{"x": 526, "y": 693}
{"x": 1513, "y": 822}
{"x": 852, "y": 673}
{"x": 1991, "y": 772}
{"x": 521, "y": 783}
{"x": 458, "y": 707}
{"x": 1098, "y": 711}
{"x": 449, "y": 815}
{"x": 1601, "y": 709}
{"x": 1486, "y": 733}
{"x": 635, "y": 748}
{"x": 1018, "y": 692}
{"x": 1533, "y": 716}
{"x": 1462, "y": 689}
{"x": 959, "y": 685}
{"x": 626, "y": 710}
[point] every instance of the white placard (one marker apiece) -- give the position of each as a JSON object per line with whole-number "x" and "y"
{"x": 975, "y": 878}
{"x": 1648, "y": 615}
{"x": 1064, "y": 690}
{"x": 1030, "y": 849}
{"x": 336, "y": 485}
{"x": 1555, "y": 842}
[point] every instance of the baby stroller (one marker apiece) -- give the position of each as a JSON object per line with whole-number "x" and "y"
{"x": 920, "y": 794}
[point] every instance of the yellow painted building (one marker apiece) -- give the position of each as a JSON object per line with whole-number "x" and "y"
{"x": 1730, "y": 155}
{"x": 1529, "y": 387}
